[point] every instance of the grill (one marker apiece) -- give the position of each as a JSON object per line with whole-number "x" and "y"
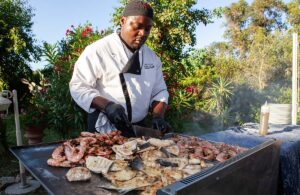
{"x": 252, "y": 172}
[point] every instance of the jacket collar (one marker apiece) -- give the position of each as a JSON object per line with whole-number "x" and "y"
{"x": 133, "y": 65}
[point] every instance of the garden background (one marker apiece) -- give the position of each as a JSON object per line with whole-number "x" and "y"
{"x": 211, "y": 88}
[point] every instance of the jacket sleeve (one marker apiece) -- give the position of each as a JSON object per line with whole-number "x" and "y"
{"x": 159, "y": 92}
{"x": 84, "y": 78}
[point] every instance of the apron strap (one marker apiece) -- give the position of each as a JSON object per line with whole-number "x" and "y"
{"x": 126, "y": 95}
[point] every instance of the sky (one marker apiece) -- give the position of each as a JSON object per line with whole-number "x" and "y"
{"x": 53, "y": 17}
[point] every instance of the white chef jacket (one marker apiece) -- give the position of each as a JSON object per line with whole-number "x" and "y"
{"x": 96, "y": 73}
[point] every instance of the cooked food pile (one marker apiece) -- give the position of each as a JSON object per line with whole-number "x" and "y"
{"x": 138, "y": 163}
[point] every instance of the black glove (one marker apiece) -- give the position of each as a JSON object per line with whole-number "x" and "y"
{"x": 160, "y": 124}
{"x": 116, "y": 114}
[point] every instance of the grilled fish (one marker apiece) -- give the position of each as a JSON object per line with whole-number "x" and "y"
{"x": 78, "y": 174}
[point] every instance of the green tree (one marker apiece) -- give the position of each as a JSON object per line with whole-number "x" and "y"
{"x": 244, "y": 21}
{"x": 17, "y": 45}
{"x": 237, "y": 33}
{"x": 268, "y": 60}
{"x": 294, "y": 15}
{"x": 258, "y": 45}
{"x": 268, "y": 15}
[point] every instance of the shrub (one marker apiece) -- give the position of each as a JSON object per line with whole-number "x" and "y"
{"x": 64, "y": 114}
{"x": 36, "y": 112}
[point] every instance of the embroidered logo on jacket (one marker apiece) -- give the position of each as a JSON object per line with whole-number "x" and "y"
{"x": 149, "y": 66}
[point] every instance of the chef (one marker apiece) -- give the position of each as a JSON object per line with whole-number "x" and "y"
{"x": 118, "y": 79}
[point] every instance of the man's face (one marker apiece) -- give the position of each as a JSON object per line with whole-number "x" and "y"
{"x": 135, "y": 30}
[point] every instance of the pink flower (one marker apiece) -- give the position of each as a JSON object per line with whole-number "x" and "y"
{"x": 67, "y": 32}
{"x": 88, "y": 29}
{"x": 190, "y": 89}
{"x": 83, "y": 34}
{"x": 86, "y": 32}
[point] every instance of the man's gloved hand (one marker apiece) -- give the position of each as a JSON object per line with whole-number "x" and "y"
{"x": 161, "y": 125}
{"x": 116, "y": 114}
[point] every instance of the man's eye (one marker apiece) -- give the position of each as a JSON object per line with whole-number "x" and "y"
{"x": 141, "y": 27}
{"x": 136, "y": 27}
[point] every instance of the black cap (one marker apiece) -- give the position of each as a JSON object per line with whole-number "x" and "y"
{"x": 138, "y": 8}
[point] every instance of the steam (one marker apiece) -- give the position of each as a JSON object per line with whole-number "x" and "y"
{"x": 244, "y": 107}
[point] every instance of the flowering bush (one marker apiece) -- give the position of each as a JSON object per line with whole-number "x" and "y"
{"x": 64, "y": 113}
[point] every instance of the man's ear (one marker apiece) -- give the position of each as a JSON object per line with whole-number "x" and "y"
{"x": 122, "y": 20}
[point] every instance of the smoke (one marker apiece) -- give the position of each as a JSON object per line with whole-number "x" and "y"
{"x": 243, "y": 107}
